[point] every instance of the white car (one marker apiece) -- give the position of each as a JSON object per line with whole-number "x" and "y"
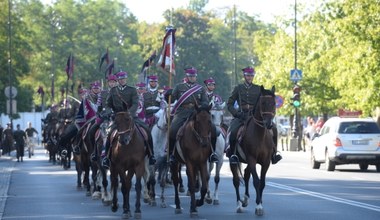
{"x": 347, "y": 141}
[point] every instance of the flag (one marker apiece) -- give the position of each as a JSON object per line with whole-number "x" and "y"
{"x": 109, "y": 69}
{"x": 41, "y": 91}
{"x": 145, "y": 67}
{"x": 70, "y": 67}
{"x": 105, "y": 57}
{"x": 166, "y": 61}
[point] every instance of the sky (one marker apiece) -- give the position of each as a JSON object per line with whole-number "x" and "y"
{"x": 152, "y": 10}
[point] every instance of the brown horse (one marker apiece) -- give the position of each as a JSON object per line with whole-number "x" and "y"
{"x": 256, "y": 147}
{"x": 193, "y": 149}
{"x": 127, "y": 154}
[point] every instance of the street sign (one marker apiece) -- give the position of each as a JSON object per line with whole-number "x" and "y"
{"x": 279, "y": 101}
{"x": 295, "y": 75}
{"x": 7, "y": 92}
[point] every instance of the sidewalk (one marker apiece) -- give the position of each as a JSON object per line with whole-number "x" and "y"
{"x": 7, "y": 164}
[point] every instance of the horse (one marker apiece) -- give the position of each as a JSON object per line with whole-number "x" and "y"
{"x": 64, "y": 152}
{"x": 160, "y": 141}
{"x": 52, "y": 135}
{"x": 127, "y": 154}
{"x": 217, "y": 118}
{"x": 101, "y": 178}
{"x": 256, "y": 146}
{"x": 193, "y": 148}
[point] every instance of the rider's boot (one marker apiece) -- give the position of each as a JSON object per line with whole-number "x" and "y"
{"x": 276, "y": 157}
{"x": 172, "y": 159}
{"x": 104, "y": 155}
{"x": 213, "y": 157}
{"x": 231, "y": 153}
{"x": 152, "y": 159}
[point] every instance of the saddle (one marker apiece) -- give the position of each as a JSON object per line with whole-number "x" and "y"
{"x": 139, "y": 128}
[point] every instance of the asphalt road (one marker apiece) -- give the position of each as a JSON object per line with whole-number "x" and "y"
{"x": 36, "y": 189}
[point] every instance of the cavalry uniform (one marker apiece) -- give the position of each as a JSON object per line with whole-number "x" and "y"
{"x": 125, "y": 98}
{"x": 152, "y": 99}
{"x": 50, "y": 122}
{"x": 187, "y": 94}
{"x": 241, "y": 104}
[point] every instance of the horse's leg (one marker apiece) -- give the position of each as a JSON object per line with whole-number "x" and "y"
{"x": 114, "y": 185}
{"x": 260, "y": 185}
{"x": 247, "y": 176}
{"x": 175, "y": 177}
{"x": 126, "y": 184}
{"x": 236, "y": 182}
{"x": 204, "y": 177}
{"x": 152, "y": 185}
{"x": 217, "y": 180}
{"x": 94, "y": 175}
{"x": 139, "y": 173}
{"x": 191, "y": 178}
{"x": 180, "y": 181}
{"x": 162, "y": 175}
{"x": 86, "y": 178}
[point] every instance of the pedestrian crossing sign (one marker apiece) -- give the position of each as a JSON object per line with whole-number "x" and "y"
{"x": 295, "y": 75}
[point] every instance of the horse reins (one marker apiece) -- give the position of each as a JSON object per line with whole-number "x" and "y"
{"x": 261, "y": 122}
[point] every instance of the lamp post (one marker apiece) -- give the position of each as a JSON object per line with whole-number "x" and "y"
{"x": 10, "y": 62}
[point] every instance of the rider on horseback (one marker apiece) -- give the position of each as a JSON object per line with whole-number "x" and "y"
{"x": 124, "y": 98}
{"x": 245, "y": 95}
{"x": 188, "y": 94}
{"x": 152, "y": 100}
{"x": 102, "y": 113}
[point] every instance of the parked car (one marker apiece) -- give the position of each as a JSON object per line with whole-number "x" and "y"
{"x": 347, "y": 141}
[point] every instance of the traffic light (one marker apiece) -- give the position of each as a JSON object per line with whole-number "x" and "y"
{"x": 296, "y": 96}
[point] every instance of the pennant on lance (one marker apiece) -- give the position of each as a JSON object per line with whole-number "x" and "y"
{"x": 166, "y": 60}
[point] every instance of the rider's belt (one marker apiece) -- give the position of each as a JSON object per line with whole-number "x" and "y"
{"x": 247, "y": 107}
{"x": 188, "y": 105}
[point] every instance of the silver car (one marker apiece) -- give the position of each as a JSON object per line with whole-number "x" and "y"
{"x": 347, "y": 141}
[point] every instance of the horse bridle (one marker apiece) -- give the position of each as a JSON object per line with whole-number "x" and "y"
{"x": 129, "y": 129}
{"x": 198, "y": 136}
{"x": 261, "y": 122}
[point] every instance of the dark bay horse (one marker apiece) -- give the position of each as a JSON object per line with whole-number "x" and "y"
{"x": 256, "y": 147}
{"x": 193, "y": 149}
{"x": 127, "y": 160}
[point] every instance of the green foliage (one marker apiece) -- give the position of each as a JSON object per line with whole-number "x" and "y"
{"x": 338, "y": 50}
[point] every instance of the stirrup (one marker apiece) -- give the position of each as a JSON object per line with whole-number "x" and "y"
{"x": 93, "y": 157}
{"x": 214, "y": 158}
{"x": 276, "y": 158}
{"x": 106, "y": 163}
{"x": 172, "y": 159}
{"x": 76, "y": 150}
{"x": 152, "y": 160}
{"x": 234, "y": 159}
{"x": 63, "y": 153}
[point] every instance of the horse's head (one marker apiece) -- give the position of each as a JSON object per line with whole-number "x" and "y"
{"x": 267, "y": 106}
{"x": 124, "y": 125}
{"x": 202, "y": 124}
{"x": 162, "y": 115}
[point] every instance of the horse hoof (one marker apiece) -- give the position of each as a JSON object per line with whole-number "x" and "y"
{"x": 208, "y": 200}
{"x": 239, "y": 210}
{"x": 178, "y": 211}
{"x": 146, "y": 200}
{"x": 259, "y": 212}
{"x": 216, "y": 202}
{"x": 153, "y": 203}
{"x": 137, "y": 215}
{"x": 114, "y": 208}
{"x": 194, "y": 214}
{"x": 181, "y": 189}
{"x": 163, "y": 205}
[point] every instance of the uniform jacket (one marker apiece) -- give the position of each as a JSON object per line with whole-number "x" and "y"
{"x": 199, "y": 97}
{"x": 244, "y": 95}
{"x": 122, "y": 98}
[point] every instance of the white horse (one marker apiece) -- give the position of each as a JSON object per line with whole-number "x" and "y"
{"x": 217, "y": 117}
{"x": 160, "y": 141}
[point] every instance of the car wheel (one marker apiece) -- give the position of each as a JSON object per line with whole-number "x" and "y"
{"x": 363, "y": 166}
{"x": 378, "y": 167}
{"x": 330, "y": 165}
{"x": 314, "y": 164}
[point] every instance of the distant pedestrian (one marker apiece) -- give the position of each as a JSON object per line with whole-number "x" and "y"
{"x": 7, "y": 143}
{"x": 31, "y": 137}
{"x": 19, "y": 137}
